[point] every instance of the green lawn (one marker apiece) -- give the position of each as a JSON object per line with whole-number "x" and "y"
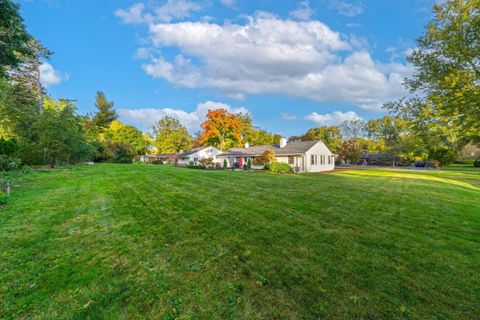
{"x": 158, "y": 242}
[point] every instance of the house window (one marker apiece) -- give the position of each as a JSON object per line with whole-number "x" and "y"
{"x": 316, "y": 159}
{"x": 291, "y": 160}
{"x": 323, "y": 159}
{"x": 312, "y": 159}
{"x": 195, "y": 159}
{"x": 329, "y": 160}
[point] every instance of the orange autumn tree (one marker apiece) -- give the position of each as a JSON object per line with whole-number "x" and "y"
{"x": 221, "y": 129}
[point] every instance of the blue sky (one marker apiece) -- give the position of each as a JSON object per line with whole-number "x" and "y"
{"x": 292, "y": 64}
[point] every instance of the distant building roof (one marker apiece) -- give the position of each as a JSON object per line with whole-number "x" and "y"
{"x": 190, "y": 152}
{"x": 292, "y": 148}
{"x": 167, "y": 155}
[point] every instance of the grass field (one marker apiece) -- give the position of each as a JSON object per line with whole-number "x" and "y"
{"x": 158, "y": 242}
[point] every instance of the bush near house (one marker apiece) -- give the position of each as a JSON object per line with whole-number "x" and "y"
{"x": 207, "y": 162}
{"x": 267, "y": 157}
{"x": 476, "y": 163}
{"x": 280, "y": 167}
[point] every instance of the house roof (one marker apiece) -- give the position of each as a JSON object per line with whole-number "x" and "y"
{"x": 190, "y": 152}
{"x": 166, "y": 155}
{"x": 291, "y": 148}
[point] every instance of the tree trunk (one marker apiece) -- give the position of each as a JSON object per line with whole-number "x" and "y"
{"x": 37, "y": 79}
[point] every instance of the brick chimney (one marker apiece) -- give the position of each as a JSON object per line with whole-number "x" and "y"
{"x": 283, "y": 142}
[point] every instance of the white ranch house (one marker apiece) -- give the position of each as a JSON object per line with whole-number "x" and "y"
{"x": 197, "y": 154}
{"x": 305, "y": 156}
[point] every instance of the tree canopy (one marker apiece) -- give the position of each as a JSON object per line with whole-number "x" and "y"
{"x": 13, "y": 36}
{"x": 446, "y": 81}
{"x": 171, "y": 136}
{"x": 221, "y": 129}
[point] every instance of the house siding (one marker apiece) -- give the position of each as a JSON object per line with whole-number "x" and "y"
{"x": 321, "y": 151}
{"x": 210, "y": 152}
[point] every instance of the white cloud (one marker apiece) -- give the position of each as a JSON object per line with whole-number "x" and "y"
{"x": 288, "y": 117}
{"x": 132, "y": 15}
{"x": 332, "y": 119}
{"x": 169, "y": 11}
{"x": 303, "y": 12}
{"x": 49, "y": 76}
{"x": 176, "y": 9}
{"x": 145, "y": 118}
{"x": 269, "y": 55}
{"x": 346, "y": 8}
{"x": 228, "y": 3}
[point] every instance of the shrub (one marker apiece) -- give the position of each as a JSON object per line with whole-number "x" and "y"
{"x": 191, "y": 164}
{"x": 249, "y": 164}
{"x": 9, "y": 163}
{"x": 123, "y": 154}
{"x": 267, "y": 157}
{"x": 476, "y": 163}
{"x": 434, "y": 164}
{"x": 116, "y": 152}
{"x": 444, "y": 155}
{"x": 9, "y": 147}
{"x": 196, "y": 167}
{"x": 280, "y": 167}
{"x": 206, "y": 162}
{"x": 225, "y": 164}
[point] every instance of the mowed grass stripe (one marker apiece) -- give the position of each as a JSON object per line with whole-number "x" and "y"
{"x": 158, "y": 242}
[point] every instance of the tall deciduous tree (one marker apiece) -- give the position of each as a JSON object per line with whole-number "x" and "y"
{"x": 446, "y": 82}
{"x": 221, "y": 129}
{"x": 389, "y": 130}
{"x": 120, "y": 132}
{"x": 13, "y": 37}
{"x": 352, "y": 129}
{"x": 253, "y": 135}
{"x": 57, "y": 136}
{"x": 331, "y": 136}
{"x": 171, "y": 136}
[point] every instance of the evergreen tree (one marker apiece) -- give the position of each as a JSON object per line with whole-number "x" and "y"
{"x": 105, "y": 113}
{"x": 26, "y": 75}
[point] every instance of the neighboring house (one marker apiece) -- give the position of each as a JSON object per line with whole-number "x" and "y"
{"x": 379, "y": 159}
{"x": 197, "y": 154}
{"x": 305, "y": 156}
{"x": 166, "y": 157}
{"x": 169, "y": 157}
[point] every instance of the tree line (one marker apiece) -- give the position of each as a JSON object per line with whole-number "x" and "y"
{"x": 440, "y": 119}
{"x": 437, "y": 121}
